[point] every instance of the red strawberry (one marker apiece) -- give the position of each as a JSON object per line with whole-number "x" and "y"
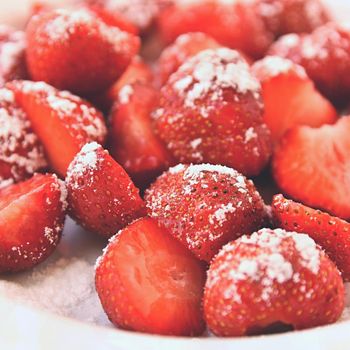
{"x": 185, "y": 46}
{"x": 77, "y": 51}
{"x": 211, "y": 111}
{"x": 148, "y": 282}
{"x": 32, "y": 215}
{"x": 62, "y": 121}
{"x": 132, "y": 140}
{"x": 325, "y": 55}
{"x": 205, "y": 206}
{"x": 330, "y": 232}
{"x": 311, "y": 165}
{"x": 101, "y": 196}
{"x": 21, "y": 153}
{"x": 270, "y": 280}
{"x": 290, "y": 97}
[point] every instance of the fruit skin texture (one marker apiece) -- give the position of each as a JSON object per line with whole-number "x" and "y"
{"x": 101, "y": 196}
{"x": 290, "y": 97}
{"x": 62, "y": 121}
{"x": 133, "y": 142}
{"x": 310, "y": 165}
{"x": 32, "y": 215}
{"x": 256, "y": 283}
{"x": 205, "y": 206}
{"x": 211, "y": 111}
{"x": 330, "y": 232}
{"x": 148, "y": 282}
{"x": 57, "y": 41}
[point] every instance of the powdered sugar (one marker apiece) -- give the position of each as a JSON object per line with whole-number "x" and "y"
{"x": 220, "y": 214}
{"x": 125, "y": 93}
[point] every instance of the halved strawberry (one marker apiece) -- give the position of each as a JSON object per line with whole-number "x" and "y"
{"x": 330, "y": 232}
{"x": 132, "y": 140}
{"x": 32, "y": 215}
{"x": 101, "y": 196}
{"x": 62, "y": 121}
{"x": 312, "y": 166}
{"x": 290, "y": 97}
{"x": 149, "y": 282}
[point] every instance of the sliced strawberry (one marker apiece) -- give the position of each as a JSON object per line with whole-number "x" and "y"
{"x": 311, "y": 165}
{"x": 101, "y": 196}
{"x": 32, "y": 215}
{"x": 149, "y": 282}
{"x": 132, "y": 140}
{"x": 290, "y": 97}
{"x": 62, "y": 121}
{"x": 330, "y": 232}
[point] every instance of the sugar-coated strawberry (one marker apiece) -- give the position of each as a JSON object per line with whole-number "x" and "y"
{"x": 32, "y": 215}
{"x": 101, "y": 196}
{"x": 290, "y": 97}
{"x": 185, "y": 46}
{"x": 330, "y": 232}
{"x": 227, "y": 22}
{"x": 325, "y": 55}
{"x": 211, "y": 111}
{"x": 269, "y": 280}
{"x": 205, "y": 206}
{"x": 311, "y": 165}
{"x": 149, "y": 282}
{"x": 63, "y": 122}
{"x": 12, "y": 54}
{"x": 132, "y": 140}
{"x": 77, "y": 51}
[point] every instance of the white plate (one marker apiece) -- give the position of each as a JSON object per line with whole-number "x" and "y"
{"x": 56, "y": 307}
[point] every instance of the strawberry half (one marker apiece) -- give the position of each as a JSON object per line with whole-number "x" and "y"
{"x": 62, "y": 121}
{"x": 149, "y": 282}
{"x": 311, "y": 165}
{"x": 290, "y": 97}
{"x": 32, "y": 215}
{"x": 330, "y": 232}
{"x": 132, "y": 140}
{"x": 101, "y": 196}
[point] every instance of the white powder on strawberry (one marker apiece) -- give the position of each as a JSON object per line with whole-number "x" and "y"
{"x": 219, "y": 215}
{"x": 125, "y": 93}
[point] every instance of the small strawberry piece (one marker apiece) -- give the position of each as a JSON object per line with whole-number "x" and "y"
{"x": 62, "y": 121}
{"x": 21, "y": 153}
{"x": 148, "y": 282}
{"x": 185, "y": 46}
{"x": 211, "y": 111}
{"x": 311, "y": 166}
{"x": 12, "y": 54}
{"x": 101, "y": 196}
{"x": 132, "y": 140}
{"x": 32, "y": 215}
{"x": 325, "y": 55}
{"x": 290, "y": 97}
{"x": 330, "y": 232}
{"x": 270, "y": 280}
{"x": 205, "y": 206}
{"x": 59, "y": 39}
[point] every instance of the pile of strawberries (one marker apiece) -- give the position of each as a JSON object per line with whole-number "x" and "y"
{"x": 243, "y": 86}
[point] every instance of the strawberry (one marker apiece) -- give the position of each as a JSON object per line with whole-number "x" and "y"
{"x": 101, "y": 196}
{"x": 311, "y": 165}
{"x": 290, "y": 97}
{"x": 32, "y": 215}
{"x": 185, "y": 46}
{"x": 211, "y": 111}
{"x": 325, "y": 55}
{"x": 330, "y": 232}
{"x": 62, "y": 121}
{"x": 57, "y": 41}
{"x": 205, "y": 206}
{"x": 132, "y": 140}
{"x": 21, "y": 153}
{"x": 148, "y": 282}
{"x": 271, "y": 279}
